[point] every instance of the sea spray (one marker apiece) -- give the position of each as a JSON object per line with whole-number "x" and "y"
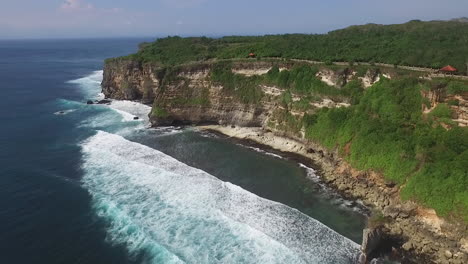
{"x": 192, "y": 216}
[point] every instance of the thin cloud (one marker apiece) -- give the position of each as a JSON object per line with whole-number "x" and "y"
{"x": 75, "y": 5}
{"x": 80, "y": 5}
{"x": 183, "y": 3}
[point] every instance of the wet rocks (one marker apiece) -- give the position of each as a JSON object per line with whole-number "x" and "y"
{"x": 372, "y": 238}
{"x": 104, "y": 101}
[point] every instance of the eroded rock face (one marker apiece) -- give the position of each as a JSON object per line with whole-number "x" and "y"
{"x": 337, "y": 78}
{"x": 131, "y": 80}
{"x": 372, "y": 76}
{"x": 182, "y": 96}
{"x": 460, "y": 108}
{"x": 458, "y": 103}
{"x": 371, "y": 238}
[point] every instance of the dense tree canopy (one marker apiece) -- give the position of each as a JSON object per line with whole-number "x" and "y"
{"x": 426, "y": 44}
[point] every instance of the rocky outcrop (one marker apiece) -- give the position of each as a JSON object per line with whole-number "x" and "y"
{"x": 458, "y": 103}
{"x": 337, "y": 78}
{"x": 183, "y": 95}
{"x": 371, "y": 239}
{"x": 193, "y": 99}
{"x": 418, "y": 234}
{"x": 372, "y": 76}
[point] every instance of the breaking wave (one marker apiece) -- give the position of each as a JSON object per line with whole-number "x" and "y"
{"x": 165, "y": 211}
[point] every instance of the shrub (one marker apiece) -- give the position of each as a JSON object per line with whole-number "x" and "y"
{"x": 442, "y": 110}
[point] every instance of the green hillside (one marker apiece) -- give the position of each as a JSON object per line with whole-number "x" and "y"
{"x": 426, "y": 44}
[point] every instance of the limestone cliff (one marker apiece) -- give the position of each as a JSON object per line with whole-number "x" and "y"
{"x": 183, "y": 95}
{"x": 187, "y": 94}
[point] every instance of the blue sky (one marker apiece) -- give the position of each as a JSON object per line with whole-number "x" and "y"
{"x": 113, "y": 18}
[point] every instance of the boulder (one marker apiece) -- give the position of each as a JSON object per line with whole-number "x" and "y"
{"x": 89, "y": 102}
{"x": 104, "y": 101}
{"x": 448, "y": 254}
{"x": 362, "y": 259}
{"x": 136, "y": 118}
{"x": 376, "y": 261}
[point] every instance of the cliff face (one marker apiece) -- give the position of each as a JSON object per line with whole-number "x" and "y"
{"x": 130, "y": 80}
{"x": 185, "y": 95}
{"x": 458, "y": 104}
{"x": 191, "y": 97}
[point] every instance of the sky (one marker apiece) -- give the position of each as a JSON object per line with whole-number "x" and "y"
{"x": 155, "y": 18}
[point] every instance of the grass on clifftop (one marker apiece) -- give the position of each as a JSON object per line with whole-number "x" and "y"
{"x": 387, "y": 132}
{"x": 427, "y": 44}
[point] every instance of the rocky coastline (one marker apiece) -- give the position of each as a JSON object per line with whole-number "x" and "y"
{"x": 402, "y": 231}
{"x": 187, "y": 96}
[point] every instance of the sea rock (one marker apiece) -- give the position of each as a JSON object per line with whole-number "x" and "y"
{"x": 362, "y": 259}
{"x": 136, "y": 118}
{"x": 372, "y": 237}
{"x": 376, "y": 261}
{"x": 104, "y": 101}
{"x": 89, "y": 102}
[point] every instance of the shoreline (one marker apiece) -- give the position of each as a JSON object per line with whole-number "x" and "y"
{"x": 413, "y": 234}
{"x": 301, "y": 160}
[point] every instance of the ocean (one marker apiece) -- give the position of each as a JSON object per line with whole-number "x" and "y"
{"x": 89, "y": 184}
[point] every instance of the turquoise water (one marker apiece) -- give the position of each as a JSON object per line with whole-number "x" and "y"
{"x": 88, "y": 184}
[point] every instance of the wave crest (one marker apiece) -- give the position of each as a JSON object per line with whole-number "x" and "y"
{"x": 185, "y": 214}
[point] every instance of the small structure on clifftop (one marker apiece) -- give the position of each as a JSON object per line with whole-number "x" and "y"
{"x": 252, "y": 55}
{"x": 448, "y": 70}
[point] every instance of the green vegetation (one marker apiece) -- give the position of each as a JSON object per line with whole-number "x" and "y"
{"x": 386, "y": 132}
{"x": 383, "y": 130}
{"x": 441, "y": 111}
{"x": 300, "y": 80}
{"x": 377, "y": 219}
{"x": 246, "y": 89}
{"x": 456, "y": 87}
{"x": 159, "y": 112}
{"x": 416, "y": 43}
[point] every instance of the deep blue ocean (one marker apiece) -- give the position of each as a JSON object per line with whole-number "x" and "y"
{"x": 89, "y": 184}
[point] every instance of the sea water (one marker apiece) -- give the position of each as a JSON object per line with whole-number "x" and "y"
{"x": 89, "y": 184}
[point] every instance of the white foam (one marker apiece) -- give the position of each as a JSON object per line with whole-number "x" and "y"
{"x": 127, "y": 110}
{"x": 64, "y": 112}
{"x": 131, "y": 109}
{"x": 262, "y": 151}
{"x": 182, "y": 213}
{"x": 335, "y": 197}
{"x": 90, "y": 85}
{"x": 95, "y": 77}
